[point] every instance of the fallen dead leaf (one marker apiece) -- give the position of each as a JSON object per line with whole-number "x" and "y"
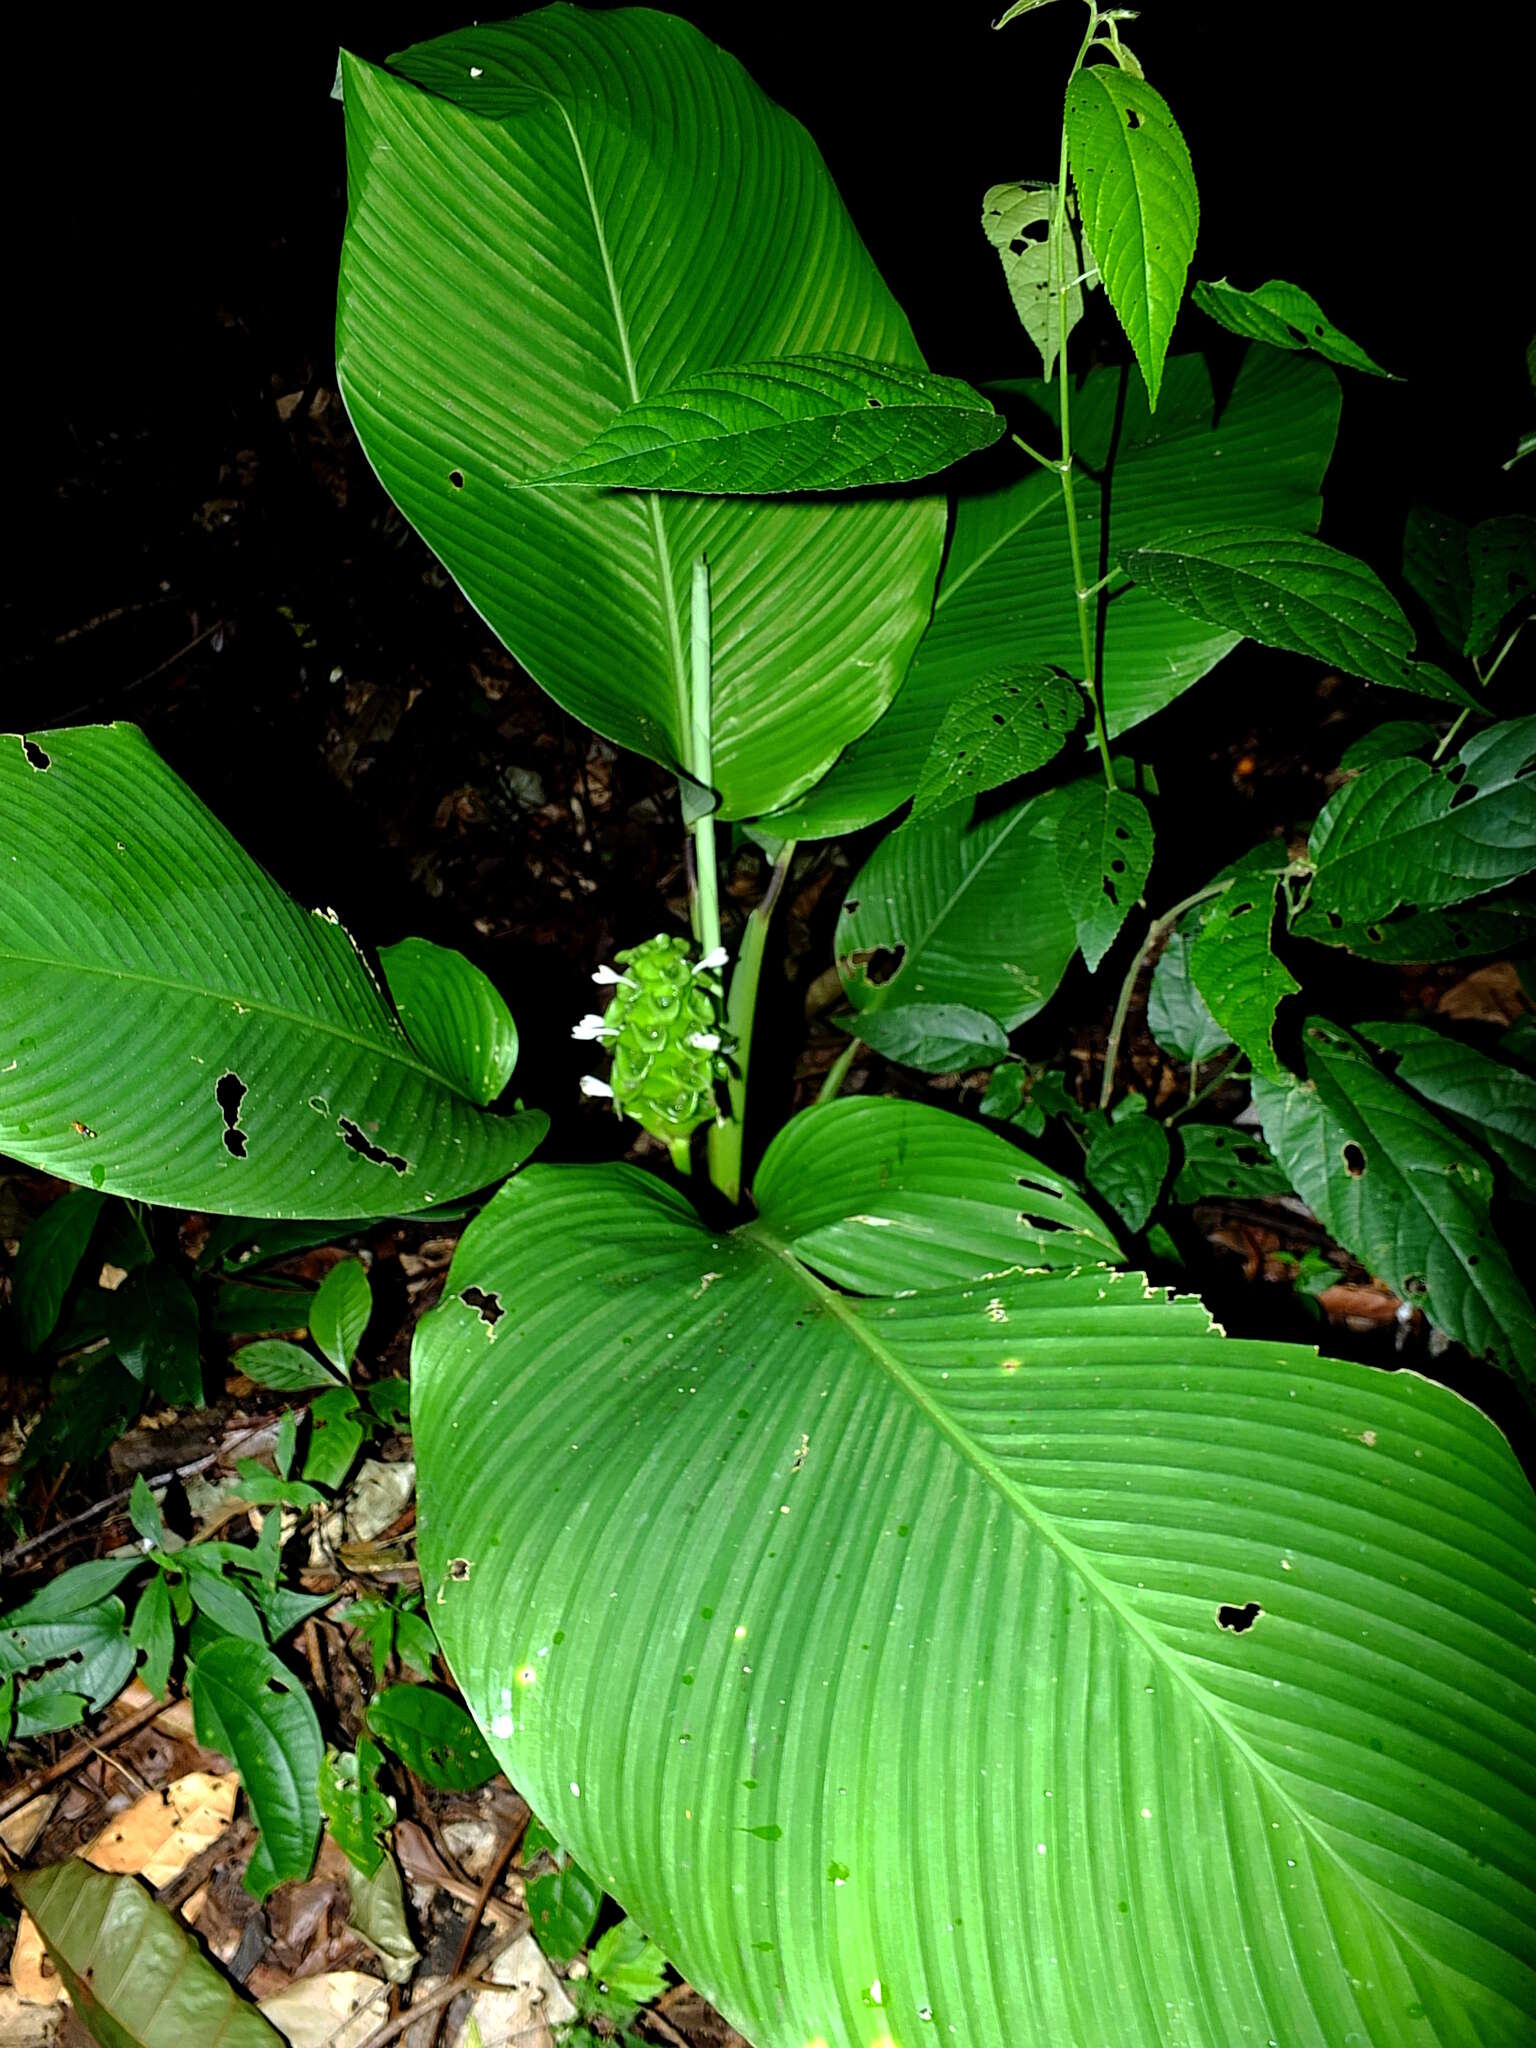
{"x": 379, "y": 1496}
{"x": 176, "y": 1720}
{"x": 338, "y": 2010}
{"x": 519, "y": 2005}
{"x": 158, "y": 1836}
{"x": 20, "y": 1830}
{"x": 27, "y": 2026}
{"x": 35, "y": 1980}
{"x": 1489, "y": 995}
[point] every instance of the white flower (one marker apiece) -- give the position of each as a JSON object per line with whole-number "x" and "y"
{"x": 704, "y": 1041}
{"x": 607, "y": 977}
{"x": 590, "y": 1085}
{"x": 717, "y": 957}
{"x": 591, "y": 1027}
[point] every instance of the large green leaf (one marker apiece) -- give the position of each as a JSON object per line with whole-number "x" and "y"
{"x": 1140, "y": 209}
{"x": 1232, "y": 959}
{"x": 1007, "y": 597}
{"x": 453, "y": 1014}
{"x": 1407, "y": 832}
{"x": 1476, "y": 930}
{"x": 799, "y": 423}
{"x": 1289, "y": 590}
{"x": 549, "y": 221}
{"x": 249, "y": 1705}
{"x": 1284, "y": 316}
{"x": 944, "y": 912}
{"x": 1400, "y": 1190}
{"x": 52, "y": 1247}
{"x": 1103, "y": 856}
{"x": 135, "y": 1976}
{"x": 1019, "y": 1656}
{"x": 1493, "y": 1102}
{"x": 176, "y": 1029}
{"x": 1178, "y": 1016}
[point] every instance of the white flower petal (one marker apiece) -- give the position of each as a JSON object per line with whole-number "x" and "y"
{"x": 716, "y": 957}
{"x": 704, "y": 1041}
{"x": 607, "y": 977}
{"x": 591, "y": 1027}
{"x": 590, "y": 1085}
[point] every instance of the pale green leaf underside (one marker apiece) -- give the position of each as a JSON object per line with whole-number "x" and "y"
{"x": 799, "y": 423}
{"x": 136, "y": 1976}
{"x": 1416, "y": 935}
{"x": 1289, "y": 590}
{"x": 1140, "y": 209}
{"x": 1006, "y": 599}
{"x": 561, "y": 216}
{"x": 1103, "y": 856}
{"x": 1177, "y": 1014}
{"x": 1401, "y": 1190}
{"x": 916, "y": 1602}
{"x": 453, "y": 1014}
{"x": 175, "y": 1029}
{"x": 1010, "y": 722}
{"x": 1284, "y": 316}
{"x": 1018, "y": 221}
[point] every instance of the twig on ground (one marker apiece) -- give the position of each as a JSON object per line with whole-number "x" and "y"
{"x": 445, "y": 1993}
{"x": 91, "y": 1746}
{"x": 488, "y": 1884}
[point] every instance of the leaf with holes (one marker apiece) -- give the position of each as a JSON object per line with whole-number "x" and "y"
{"x": 1494, "y": 1103}
{"x": 1006, "y": 598}
{"x": 356, "y": 1811}
{"x": 1232, "y": 959}
{"x": 135, "y": 1976}
{"x": 797, "y": 423}
{"x": 1140, "y": 209}
{"x": 453, "y": 1015}
{"x": 1010, "y": 722}
{"x": 248, "y": 1705}
{"x": 335, "y": 1437}
{"x": 1502, "y": 557}
{"x": 1220, "y": 1162}
{"x": 552, "y": 220}
{"x": 175, "y": 1029}
{"x": 51, "y": 1249}
{"x": 1186, "y": 1585}
{"x": 432, "y": 1735}
{"x": 339, "y": 1312}
{"x": 1127, "y": 1163}
{"x": 1409, "y": 832}
{"x": 936, "y": 1038}
{"x": 946, "y": 913}
{"x": 1177, "y": 1015}
{"x": 1284, "y": 316}
{"x": 1289, "y": 590}
{"x": 1103, "y": 856}
{"x": 1019, "y": 222}
{"x": 1400, "y": 1190}
{"x": 1472, "y": 932}
{"x": 79, "y": 1660}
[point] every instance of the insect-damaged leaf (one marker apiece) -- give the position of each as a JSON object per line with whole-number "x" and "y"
{"x": 1492, "y": 1102}
{"x": 1284, "y": 316}
{"x": 1103, "y": 855}
{"x": 433, "y": 1735}
{"x": 1232, "y": 959}
{"x": 175, "y": 1029}
{"x": 1127, "y": 1163}
{"x": 1044, "y": 275}
{"x": 1010, "y": 722}
{"x": 1221, "y": 1160}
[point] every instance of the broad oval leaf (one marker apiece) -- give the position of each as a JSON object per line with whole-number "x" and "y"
{"x": 175, "y": 1029}
{"x": 798, "y": 423}
{"x": 136, "y": 1977}
{"x": 1127, "y": 1163}
{"x": 151, "y": 1319}
{"x": 1401, "y": 1190}
{"x": 551, "y": 220}
{"x": 1493, "y": 1102}
{"x": 288, "y": 1367}
{"x": 1284, "y": 316}
{"x": 248, "y": 1704}
{"x": 947, "y": 913}
{"x": 1208, "y": 1614}
{"x": 1006, "y": 599}
{"x": 1290, "y": 590}
{"x": 1103, "y": 856}
{"x": 1222, "y": 1161}
{"x": 432, "y": 1734}
{"x": 1232, "y": 959}
{"x": 1178, "y": 1016}
{"x": 936, "y": 1038}
{"x": 339, "y": 1312}
{"x": 1018, "y": 222}
{"x": 453, "y": 1014}
{"x": 1010, "y": 722}
{"x": 1140, "y": 209}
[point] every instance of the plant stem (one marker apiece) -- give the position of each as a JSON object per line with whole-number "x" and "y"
{"x": 1218, "y": 1080}
{"x": 837, "y": 1073}
{"x": 725, "y": 1140}
{"x": 706, "y": 899}
{"x": 1155, "y": 931}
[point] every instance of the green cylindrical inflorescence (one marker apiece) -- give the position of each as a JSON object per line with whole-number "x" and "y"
{"x": 663, "y": 1029}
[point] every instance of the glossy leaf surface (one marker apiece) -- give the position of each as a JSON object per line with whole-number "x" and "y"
{"x": 1493, "y": 1102}
{"x": 1232, "y": 959}
{"x": 1177, "y": 1014}
{"x": 1284, "y": 316}
{"x": 453, "y": 1014}
{"x": 249, "y": 1705}
{"x": 433, "y": 1735}
{"x": 339, "y": 1312}
{"x": 1010, "y": 722}
{"x": 1103, "y": 856}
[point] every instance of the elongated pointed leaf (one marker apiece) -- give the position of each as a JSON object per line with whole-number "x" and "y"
{"x": 1140, "y": 209}
{"x": 1010, "y": 722}
{"x": 947, "y": 913}
{"x": 249, "y": 1705}
{"x": 52, "y": 1247}
{"x": 288, "y": 1367}
{"x": 1417, "y": 935}
{"x": 1491, "y": 1101}
{"x": 798, "y": 423}
{"x": 551, "y": 220}
{"x": 1103, "y": 855}
{"x": 339, "y": 1312}
{"x": 936, "y": 1038}
{"x": 1284, "y": 316}
{"x": 152, "y": 1321}
{"x": 1502, "y": 556}
{"x": 136, "y": 1977}
{"x": 1288, "y": 590}
{"x": 453, "y": 1014}
{"x": 1178, "y": 1016}
{"x": 1018, "y": 222}
{"x": 1432, "y": 836}
{"x": 1007, "y": 597}
{"x": 1232, "y": 959}
{"x": 1401, "y": 1190}
{"x": 175, "y": 1029}
{"x": 1231, "y": 1607}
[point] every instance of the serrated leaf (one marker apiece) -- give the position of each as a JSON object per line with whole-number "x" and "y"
{"x": 1502, "y": 557}
{"x": 432, "y": 1735}
{"x": 453, "y": 1014}
{"x": 1102, "y": 1540}
{"x": 1232, "y": 960}
{"x": 944, "y": 913}
{"x": 1222, "y": 1162}
{"x": 1291, "y": 591}
{"x": 1411, "y": 936}
{"x": 1431, "y": 836}
{"x": 1400, "y": 1190}
{"x": 1018, "y": 221}
{"x": 152, "y": 1322}
{"x": 1436, "y": 564}
{"x": 1284, "y": 316}
{"x": 357, "y": 1813}
{"x": 1495, "y": 1104}
{"x": 1006, "y": 597}
{"x": 196, "y": 1039}
{"x": 1140, "y": 209}
{"x": 51, "y": 1249}
{"x": 248, "y": 1705}
{"x": 1177, "y": 1015}
{"x": 625, "y": 1971}
{"x": 135, "y": 1976}
{"x": 794, "y": 423}
{"x": 1127, "y": 1164}
{"x": 287, "y": 1367}
{"x": 1103, "y": 856}
{"x": 339, "y": 1313}
{"x": 1010, "y": 722}
{"x": 553, "y": 219}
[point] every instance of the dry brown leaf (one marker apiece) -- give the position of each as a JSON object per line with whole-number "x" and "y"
{"x": 34, "y": 1977}
{"x": 337, "y": 2010}
{"x": 1489, "y": 995}
{"x": 158, "y": 1836}
{"x": 19, "y": 1831}
{"x": 27, "y": 2026}
{"x": 176, "y": 1720}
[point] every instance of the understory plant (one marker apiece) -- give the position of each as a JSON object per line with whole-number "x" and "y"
{"x": 922, "y": 1625}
